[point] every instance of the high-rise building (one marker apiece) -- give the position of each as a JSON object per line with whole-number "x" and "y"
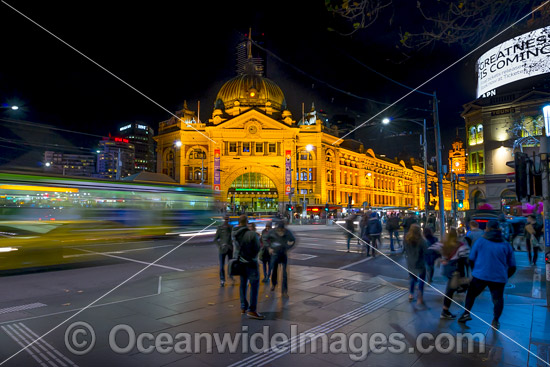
{"x": 141, "y": 136}
{"x": 69, "y": 164}
{"x": 115, "y": 158}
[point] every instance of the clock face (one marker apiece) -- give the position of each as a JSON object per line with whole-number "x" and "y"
{"x": 252, "y": 129}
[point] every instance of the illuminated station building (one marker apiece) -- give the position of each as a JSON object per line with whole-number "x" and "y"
{"x": 253, "y": 154}
{"x": 507, "y": 116}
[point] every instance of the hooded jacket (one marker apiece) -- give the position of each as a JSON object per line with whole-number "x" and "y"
{"x": 493, "y": 258}
{"x": 246, "y": 244}
{"x": 374, "y": 227}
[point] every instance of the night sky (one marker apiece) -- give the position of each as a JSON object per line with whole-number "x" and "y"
{"x": 186, "y": 51}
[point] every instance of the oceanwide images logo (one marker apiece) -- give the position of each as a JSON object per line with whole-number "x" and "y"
{"x": 518, "y": 58}
{"x": 80, "y": 339}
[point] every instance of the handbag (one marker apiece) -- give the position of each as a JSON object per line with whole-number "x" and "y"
{"x": 458, "y": 282}
{"x": 236, "y": 267}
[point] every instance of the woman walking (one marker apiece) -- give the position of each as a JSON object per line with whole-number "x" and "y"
{"x": 455, "y": 257}
{"x": 415, "y": 247}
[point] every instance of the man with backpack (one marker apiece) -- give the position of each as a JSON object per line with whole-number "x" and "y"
{"x": 247, "y": 246}
{"x": 225, "y": 246}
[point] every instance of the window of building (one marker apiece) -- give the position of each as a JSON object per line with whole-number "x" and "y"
{"x": 259, "y": 147}
{"x": 477, "y": 163}
{"x": 532, "y": 125}
{"x": 246, "y": 147}
{"x": 475, "y": 134}
{"x": 272, "y": 148}
{"x": 197, "y": 154}
{"x": 303, "y": 175}
{"x": 233, "y": 147}
{"x": 303, "y": 191}
{"x": 330, "y": 157}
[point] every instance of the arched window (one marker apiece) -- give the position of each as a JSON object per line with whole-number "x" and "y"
{"x": 472, "y": 136}
{"x": 330, "y": 156}
{"x": 479, "y": 134}
{"x": 197, "y": 154}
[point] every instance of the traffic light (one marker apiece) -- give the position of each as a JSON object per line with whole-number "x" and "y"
{"x": 460, "y": 204}
{"x": 288, "y": 207}
{"x": 433, "y": 188}
{"x": 520, "y": 164}
{"x": 326, "y": 207}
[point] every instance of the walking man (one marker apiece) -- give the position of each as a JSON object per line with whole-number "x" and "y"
{"x": 280, "y": 241}
{"x": 225, "y": 246}
{"x": 350, "y": 226}
{"x": 374, "y": 231}
{"x": 493, "y": 263}
{"x": 392, "y": 227}
{"x": 247, "y": 247}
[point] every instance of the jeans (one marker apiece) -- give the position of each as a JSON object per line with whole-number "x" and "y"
{"x": 430, "y": 272}
{"x": 252, "y": 276}
{"x": 350, "y": 236}
{"x": 374, "y": 241}
{"x": 277, "y": 259}
{"x": 392, "y": 234}
{"x": 267, "y": 268}
{"x": 497, "y": 295}
{"x": 229, "y": 255}
{"x": 449, "y": 293}
{"x": 413, "y": 279}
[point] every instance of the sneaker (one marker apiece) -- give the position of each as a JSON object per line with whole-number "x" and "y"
{"x": 255, "y": 315}
{"x": 243, "y": 311}
{"x": 495, "y": 324}
{"x": 272, "y": 288}
{"x": 284, "y": 294}
{"x": 465, "y": 317}
{"x": 447, "y": 315}
{"x": 222, "y": 283}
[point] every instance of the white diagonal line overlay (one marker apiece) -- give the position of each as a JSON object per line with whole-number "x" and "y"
{"x": 103, "y": 68}
{"x": 102, "y": 296}
{"x": 452, "y": 300}
{"x": 297, "y": 342}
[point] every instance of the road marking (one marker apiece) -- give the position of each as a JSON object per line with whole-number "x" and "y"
{"x": 355, "y": 263}
{"x": 536, "y": 291}
{"x": 128, "y": 259}
{"x": 29, "y": 306}
{"x": 92, "y": 253}
{"x": 296, "y": 256}
{"x": 297, "y": 342}
{"x": 42, "y": 351}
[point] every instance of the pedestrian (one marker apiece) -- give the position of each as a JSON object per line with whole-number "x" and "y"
{"x": 505, "y": 227}
{"x": 374, "y": 231}
{"x": 392, "y": 226}
{"x": 414, "y": 248}
{"x": 407, "y": 222}
{"x": 280, "y": 241}
{"x": 222, "y": 239}
{"x": 362, "y": 226}
{"x": 533, "y": 235}
{"x": 431, "y": 221}
{"x": 264, "y": 252}
{"x": 474, "y": 233}
{"x": 493, "y": 264}
{"x": 350, "y": 228}
{"x": 432, "y": 254}
{"x": 455, "y": 254}
{"x": 247, "y": 247}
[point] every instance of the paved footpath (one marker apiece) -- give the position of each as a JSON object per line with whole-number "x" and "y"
{"x": 323, "y": 302}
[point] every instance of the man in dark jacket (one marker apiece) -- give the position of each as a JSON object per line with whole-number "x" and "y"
{"x": 374, "y": 231}
{"x": 407, "y": 222}
{"x": 392, "y": 227}
{"x": 225, "y": 246}
{"x": 247, "y": 247}
{"x": 280, "y": 240}
{"x": 493, "y": 263}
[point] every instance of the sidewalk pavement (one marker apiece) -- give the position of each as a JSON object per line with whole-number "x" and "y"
{"x": 322, "y": 301}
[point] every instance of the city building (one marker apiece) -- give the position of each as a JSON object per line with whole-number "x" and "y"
{"x": 507, "y": 117}
{"x": 257, "y": 158}
{"x": 115, "y": 158}
{"x": 69, "y": 164}
{"x": 457, "y": 157}
{"x": 140, "y": 135}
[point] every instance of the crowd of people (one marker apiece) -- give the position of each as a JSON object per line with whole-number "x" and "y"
{"x": 470, "y": 261}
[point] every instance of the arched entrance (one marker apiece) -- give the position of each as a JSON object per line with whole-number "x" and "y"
{"x": 477, "y": 199}
{"x": 253, "y": 192}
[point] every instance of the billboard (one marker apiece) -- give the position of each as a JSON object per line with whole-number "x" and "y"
{"x": 518, "y": 58}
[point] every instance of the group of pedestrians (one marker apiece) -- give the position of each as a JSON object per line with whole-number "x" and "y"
{"x": 471, "y": 261}
{"x": 242, "y": 244}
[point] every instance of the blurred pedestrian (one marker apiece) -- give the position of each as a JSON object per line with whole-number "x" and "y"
{"x": 247, "y": 247}
{"x": 505, "y": 227}
{"x": 407, "y": 222}
{"x": 362, "y": 226}
{"x": 432, "y": 254}
{"x": 414, "y": 248}
{"x": 493, "y": 264}
{"x": 222, "y": 239}
{"x": 264, "y": 256}
{"x": 455, "y": 255}
{"x": 350, "y": 228}
{"x": 392, "y": 226}
{"x": 533, "y": 238}
{"x": 474, "y": 233}
{"x": 374, "y": 231}
{"x": 280, "y": 241}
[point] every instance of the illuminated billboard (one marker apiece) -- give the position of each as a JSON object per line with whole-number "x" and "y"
{"x": 518, "y": 58}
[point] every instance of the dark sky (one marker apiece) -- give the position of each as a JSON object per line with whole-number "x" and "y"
{"x": 173, "y": 52}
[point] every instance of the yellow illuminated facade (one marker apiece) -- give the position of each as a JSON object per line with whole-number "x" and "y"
{"x": 252, "y": 153}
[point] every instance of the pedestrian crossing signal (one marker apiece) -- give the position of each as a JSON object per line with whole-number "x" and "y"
{"x": 326, "y": 207}
{"x": 460, "y": 204}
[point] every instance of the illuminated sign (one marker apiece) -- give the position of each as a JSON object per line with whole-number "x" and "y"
{"x": 516, "y": 59}
{"x": 125, "y": 127}
{"x": 142, "y": 127}
{"x": 121, "y": 140}
{"x": 288, "y": 169}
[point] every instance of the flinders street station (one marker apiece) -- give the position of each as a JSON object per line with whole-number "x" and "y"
{"x": 256, "y": 156}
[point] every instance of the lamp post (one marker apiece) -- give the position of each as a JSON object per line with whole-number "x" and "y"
{"x": 543, "y": 152}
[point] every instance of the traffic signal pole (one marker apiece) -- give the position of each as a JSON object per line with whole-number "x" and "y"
{"x": 426, "y": 193}
{"x": 439, "y": 167}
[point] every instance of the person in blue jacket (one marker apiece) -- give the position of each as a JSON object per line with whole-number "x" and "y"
{"x": 493, "y": 263}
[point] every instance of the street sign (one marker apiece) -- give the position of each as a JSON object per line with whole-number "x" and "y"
{"x": 460, "y": 195}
